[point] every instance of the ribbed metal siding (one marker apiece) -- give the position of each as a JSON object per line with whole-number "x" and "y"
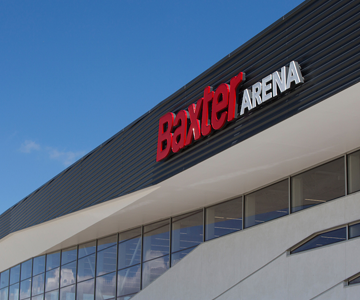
{"x": 323, "y": 36}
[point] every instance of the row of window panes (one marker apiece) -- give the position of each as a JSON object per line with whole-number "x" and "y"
{"x": 147, "y": 255}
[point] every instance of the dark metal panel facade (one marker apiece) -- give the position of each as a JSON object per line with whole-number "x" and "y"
{"x": 323, "y": 36}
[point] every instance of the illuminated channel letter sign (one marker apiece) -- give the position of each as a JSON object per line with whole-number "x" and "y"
{"x": 181, "y": 130}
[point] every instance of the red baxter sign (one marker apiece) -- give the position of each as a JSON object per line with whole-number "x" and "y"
{"x": 174, "y": 133}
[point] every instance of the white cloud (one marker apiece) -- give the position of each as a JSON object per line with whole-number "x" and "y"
{"x": 29, "y": 146}
{"x": 66, "y": 157}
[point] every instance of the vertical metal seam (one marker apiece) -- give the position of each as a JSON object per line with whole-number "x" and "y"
{"x": 204, "y": 223}
{"x": 96, "y": 257}
{"x": 346, "y": 174}
{"x": 141, "y": 257}
{"x": 243, "y": 211}
{"x": 289, "y": 196}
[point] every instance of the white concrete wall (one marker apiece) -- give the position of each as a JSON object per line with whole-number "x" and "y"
{"x": 253, "y": 263}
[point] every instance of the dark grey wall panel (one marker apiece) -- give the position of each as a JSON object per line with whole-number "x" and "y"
{"x": 323, "y": 36}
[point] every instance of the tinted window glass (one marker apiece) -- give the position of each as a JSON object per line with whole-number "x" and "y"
{"x": 176, "y": 257}
{"x": 54, "y": 295}
{"x": 223, "y": 218}
{"x": 38, "y": 297}
{"x": 267, "y": 204}
{"x": 4, "y": 293}
{"x": 354, "y": 231}
{"x": 105, "y": 286}
{"x": 68, "y": 255}
{"x": 153, "y": 269}
{"x": 318, "y": 185}
{"x": 129, "y": 281}
{"x": 86, "y": 267}
{"x": 129, "y": 248}
{"x": 127, "y": 297}
{"x": 52, "y": 279}
{"x": 25, "y": 288}
{"x": 323, "y": 239}
{"x": 4, "y": 279}
{"x": 39, "y": 265}
{"x": 38, "y": 284}
{"x": 85, "y": 290}
{"x": 87, "y": 249}
{"x": 353, "y": 172}
{"x": 15, "y": 274}
{"x": 14, "y": 292}
{"x": 106, "y": 261}
{"x": 107, "y": 242}
{"x": 67, "y": 293}
{"x": 187, "y": 231}
{"x": 52, "y": 261}
{"x": 156, "y": 240}
{"x": 26, "y": 269}
{"x": 68, "y": 274}
{"x": 354, "y": 281}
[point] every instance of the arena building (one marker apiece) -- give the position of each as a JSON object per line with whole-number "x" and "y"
{"x": 244, "y": 184}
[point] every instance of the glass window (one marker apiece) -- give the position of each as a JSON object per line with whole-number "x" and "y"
{"x": 39, "y": 265}
{"x": 52, "y": 261}
{"x": 106, "y": 242}
{"x": 86, "y": 268}
{"x": 38, "y": 285}
{"x": 354, "y": 230}
{"x": 153, "y": 269}
{"x": 318, "y": 185}
{"x": 353, "y": 172}
{"x": 14, "y": 292}
{"x": 156, "y": 240}
{"x": 223, "y": 218}
{"x": 127, "y": 297}
{"x": 52, "y": 279}
{"x": 38, "y": 297}
{"x": 85, "y": 290}
{"x": 54, "y": 295}
{"x": 129, "y": 248}
{"x": 187, "y": 231}
{"x": 26, "y": 269}
{"x": 323, "y": 239}
{"x": 106, "y": 261}
{"x": 4, "y": 279}
{"x": 68, "y": 255}
{"x": 128, "y": 281}
{"x": 176, "y": 257}
{"x": 87, "y": 249}
{"x": 25, "y": 288}
{"x": 267, "y": 204}
{"x": 68, "y": 274}
{"x": 105, "y": 286}
{"x": 4, "y": 293}
{"x": 67, "y": 293}
{"x": 355, "y": 280}
{"x": 15, "y": 274}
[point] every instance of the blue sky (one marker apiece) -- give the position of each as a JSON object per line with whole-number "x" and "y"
{"x": 74, "y": 73}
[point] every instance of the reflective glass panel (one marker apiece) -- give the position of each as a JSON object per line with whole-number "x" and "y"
{"x": 156, "y": 240}
{"x": 267, "y": 204}
{"x": 68, "y": 255}
{"x": 323, "y": 239}
{"x": 25, "y": 289}
{"x": 129, "y": 281}
{"x": 15, "y": 274}
{"x": 87, "y": 249}
{"x": 354, "y": 231}
{"x": 67, "y": 293}
{"x": 127, "y": 297}
{"x": 68, "y": 274}
{"x": 86, "y": 268}
{"x": 106, "y": 261}
{"x": 353, "y": 172}
{"x": 26, "y": 269}
{"x": 54, "y": 295}
{"x": 38, "y": 297}
{"x": 4, "y": 293}
{"x": 85, "y": 290}
{"x": 52, "y": 279}
{"x": 107, "y": 242}
{"x": 14, "y": 292}
{"x": 52, "y": 261}
{"x": 105, "y": 286}
{"x": 129, "y": 248}
{"x": 38, "y": 284}
{"x": 223, "y": 218}
{"x": 39, "y": 265}
{"x": 187, "y": 231}
{"x": 4, "y": 279}
{"x": 176, "y": 257}
{"x": 318, "y": 185}
{"x": 153, "y": 269}
{"x": 354, "y": 281}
